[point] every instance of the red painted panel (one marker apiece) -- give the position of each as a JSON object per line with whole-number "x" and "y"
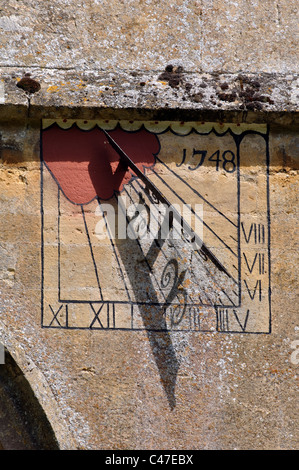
{"x": 84, "y": 164}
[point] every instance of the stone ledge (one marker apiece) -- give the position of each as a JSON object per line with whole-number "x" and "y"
{"x": 182, "y": 95}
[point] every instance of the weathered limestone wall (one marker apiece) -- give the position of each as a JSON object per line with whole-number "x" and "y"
{"x": 106, "y": 389}
{"x": 224, "y": 128}
{"x": 201, "y": 35}
{"x": 98, "y": 55}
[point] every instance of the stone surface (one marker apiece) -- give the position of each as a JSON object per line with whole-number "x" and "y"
{"x": 271, "y": 98}
{"x": 128, "y": 35}
{"x": 107, "y": 389}
{"x": 109, "y": 55}
{"x": 200, "y": 75}
{"x": 24, "y": 425}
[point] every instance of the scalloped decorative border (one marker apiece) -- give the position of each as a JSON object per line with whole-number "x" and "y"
{"x": 156, "y": 127}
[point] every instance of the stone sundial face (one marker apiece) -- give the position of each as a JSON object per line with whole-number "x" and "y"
{"x": 116, "y": 255}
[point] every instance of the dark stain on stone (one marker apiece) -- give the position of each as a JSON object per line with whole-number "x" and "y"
{"x": 255, "y": 105}
{"x": 224, "y": 86}
{"x": 28, "y": 84}
{"x": 230, "y": 97}
{"x": 169, "y": 68}
{"x": 197, "y": 97}
{"x": 255, "y": 83}
{"x": 243, "y": 79}
{"x": 250, "y": 95}
{"x": 179, "y": 69}
{"x": 173, "y": 75}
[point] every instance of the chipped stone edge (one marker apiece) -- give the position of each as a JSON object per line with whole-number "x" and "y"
{"x": 243, "y": 97}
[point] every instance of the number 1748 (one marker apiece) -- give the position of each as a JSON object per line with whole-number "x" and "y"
{"x": 226, "y": 160}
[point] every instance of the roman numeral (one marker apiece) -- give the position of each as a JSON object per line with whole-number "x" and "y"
{"x": 62, "y": 309}
{"x": 261, "y": 262}
{"x": 237, "y": 315}
{"x": 256, "y": 231}
{"x": 252, "y": 292}
{"x": 96, "y": 316}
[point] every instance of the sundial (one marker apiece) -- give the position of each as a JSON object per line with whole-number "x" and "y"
{"x": 155, "y": 225}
